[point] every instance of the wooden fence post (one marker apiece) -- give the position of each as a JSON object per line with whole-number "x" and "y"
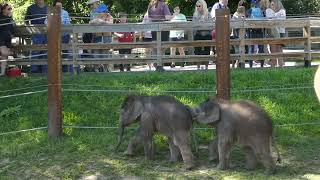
{"x": 242, "y": 47}
{"x": 75, "y": 53}
{"x": 159, "y": 66}
{"x": 223, "y": 53}
{"x": 54, "y": 73}
{"x": 307, "y": 46}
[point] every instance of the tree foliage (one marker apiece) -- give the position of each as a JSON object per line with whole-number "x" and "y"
{"x": 136, "y": 8}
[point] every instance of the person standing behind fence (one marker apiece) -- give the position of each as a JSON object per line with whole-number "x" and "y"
{"x": 255, "y": 12}
{"x": 222, "y": 4}
{"x": 158, "y": 11}
{"x": 65, "y": 39}
{"x": 6, "y": 31}
{"x": 201, "y": 14}
{"x": 177, "y": 35}
{"x": 280, "y": 13}
{"x": 124, "y": 37}
{"x": 146, "y": 36}
{"x": 239, "y": 14}
{"x": 270, "y": 32}
{"x": 104, "y": 17}
{"x": 36, "y": 14}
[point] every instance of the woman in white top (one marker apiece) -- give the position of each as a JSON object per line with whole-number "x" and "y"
{"x": 280, "y": 13}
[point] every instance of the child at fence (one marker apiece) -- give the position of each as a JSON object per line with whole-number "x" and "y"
{"x": 239, "y": 14}
{"x": 255, "y": 12}
{"x": 146, "y": 36}
{"x": 103, "y": 17}
{"x": 124, "y": 37}
{"x": 177, "y": 35}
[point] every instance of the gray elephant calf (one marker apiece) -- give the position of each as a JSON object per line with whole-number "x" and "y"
{"x": 240, "y": 122}
{"x": 162, "y": 114}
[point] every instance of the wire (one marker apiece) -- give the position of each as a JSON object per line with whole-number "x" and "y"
{"x": 113, "y": 127}
{"x": 23, "y": 94}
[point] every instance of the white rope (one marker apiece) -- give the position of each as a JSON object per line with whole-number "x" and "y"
{"x": 19, "y": 89}
{"x": 20, "y": 131}
{"x": 113, "y": 127}
{"x": 24, "y": 57}
{"x": 23, "y": 94}
{"x": 131, "y": 91}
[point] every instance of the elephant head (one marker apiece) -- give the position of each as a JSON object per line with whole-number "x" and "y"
{"x": 207, "y": 112}
{"x": 131, "y": 109}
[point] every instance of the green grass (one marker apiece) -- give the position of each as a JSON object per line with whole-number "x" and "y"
{"x": 84, "y": 153}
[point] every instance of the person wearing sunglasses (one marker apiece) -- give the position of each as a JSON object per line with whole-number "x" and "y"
{"x": 6, "y": 31}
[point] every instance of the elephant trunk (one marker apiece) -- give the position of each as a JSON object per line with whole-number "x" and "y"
{"x": 120, "y": 136}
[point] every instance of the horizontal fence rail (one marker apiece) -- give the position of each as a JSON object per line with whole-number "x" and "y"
{"x": 306, "y": 39}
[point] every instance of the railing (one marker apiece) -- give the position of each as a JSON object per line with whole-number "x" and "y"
{"x": 306, "y": 24}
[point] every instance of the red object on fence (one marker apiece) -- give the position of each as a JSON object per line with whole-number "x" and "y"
{"x": 14, "y": 72}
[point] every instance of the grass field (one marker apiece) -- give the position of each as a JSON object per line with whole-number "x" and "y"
{"x": 287, "y": 94}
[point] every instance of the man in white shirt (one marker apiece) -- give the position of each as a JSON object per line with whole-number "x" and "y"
{"x": 222, "y": 4}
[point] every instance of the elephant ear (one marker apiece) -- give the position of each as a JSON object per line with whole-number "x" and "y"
{"x": 132, "y": 107}
{"x": 208, "y": 112}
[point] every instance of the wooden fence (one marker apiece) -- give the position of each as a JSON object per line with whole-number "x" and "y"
{"x": 307, "y": 25}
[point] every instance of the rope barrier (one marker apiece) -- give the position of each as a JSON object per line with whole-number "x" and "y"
{"x": 114, "y": 127}
{"x": 23, "y": 94}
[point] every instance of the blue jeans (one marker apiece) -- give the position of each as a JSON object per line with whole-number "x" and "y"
{"x": 39, "y": 39}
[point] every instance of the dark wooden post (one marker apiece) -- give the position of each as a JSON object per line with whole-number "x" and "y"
{"x": 54, "y": 73}
{"x": 223, "y": 53}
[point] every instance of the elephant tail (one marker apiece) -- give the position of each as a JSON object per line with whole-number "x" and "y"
{"x": 276, "y": 148}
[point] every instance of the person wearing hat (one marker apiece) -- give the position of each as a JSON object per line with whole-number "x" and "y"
{"x": 93, "y": 5}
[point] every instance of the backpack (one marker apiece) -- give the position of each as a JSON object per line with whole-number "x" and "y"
{"x": 256, "y": 13}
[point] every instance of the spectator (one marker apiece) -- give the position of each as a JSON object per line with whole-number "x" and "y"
{"x": 239, "y": 14}
{"x": 124, "y": 37}
{"x": 255, "y": 12}
{"x": 201, "y": 14}
{"x": 88, "y": 37}
{"x": 272, "y": 32}
{"x": 158, "y": 11}
{"x": 280, "y": 13}
{"x": 146, "y": 37}
{"x": 36, "y": 14}
{"x": 222, "y": 4}
{"x": 65, "y": 19}
{"x": 177, "y": 35}
{"x": 6, "y": 31}
{"x": 103, "y": 17}
{"x": 93, "y": 5}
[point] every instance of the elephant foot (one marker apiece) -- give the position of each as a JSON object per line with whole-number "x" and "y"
{"x": 250, "y": 167}
{"x": 213, "y": 158}
{"x": 222, "y": 166}
{"x": 189, "y": 166}
{"x": 173, "y": 160}
{"x": 128, "y": 153}
{"x": 270, "y": 171}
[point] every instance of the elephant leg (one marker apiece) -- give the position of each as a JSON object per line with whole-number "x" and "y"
{"x": 213, "y": 150}
{"x": 149, "y": 148}
{"x": 134, "y": 141}
{"x": 174, "y": 151}
{"x": 181, "y": 140}
{"x": 251, "y": 160}
{"x": 224, "y": 149}
{"x": 263, "y": 152}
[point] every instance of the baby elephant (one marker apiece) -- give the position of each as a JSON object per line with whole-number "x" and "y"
{"x": 162, "y": 114}
{"x": 240, "y": 122}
